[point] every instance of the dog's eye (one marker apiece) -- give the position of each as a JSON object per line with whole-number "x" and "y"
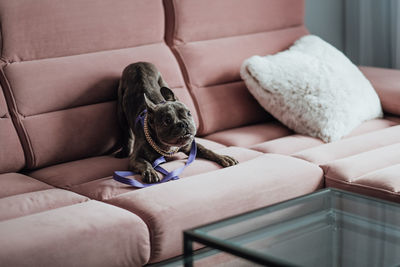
{"x": 189, "y": 114}
{"x": 167, "y": 121}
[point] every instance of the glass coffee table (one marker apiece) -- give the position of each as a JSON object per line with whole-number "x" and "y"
{"x": 326, "y": 228}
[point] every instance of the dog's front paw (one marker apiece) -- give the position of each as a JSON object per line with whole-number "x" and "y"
{"x": 226, "y": 161}
{"x": 150, "y": 176}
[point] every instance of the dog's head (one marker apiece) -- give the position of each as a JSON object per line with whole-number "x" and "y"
{"x": 171, "y": 121}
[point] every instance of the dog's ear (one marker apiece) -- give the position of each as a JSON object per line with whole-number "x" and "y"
{"x": 168, "y": 94}
{"x": 150, "y": 105}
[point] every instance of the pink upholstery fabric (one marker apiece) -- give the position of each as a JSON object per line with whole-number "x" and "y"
{"x": 33, "y": 202}
{"x": 11, "y": 154}
{"x": 288, "y": 145}
{"x": 54, "y": 129}
{"x": 3, "y": 105}
{"x": 357, "y": 165}
{"x": 52, "y": 29}
{"x": 207, "y": 19}
{"x": 87, "y": 234}
{"x": 250, "y": 135}
{"x": 106, "y": 188}
{"x": 69, "y": 174}
{"x": 387, "y": 84}
{"x": 209, "y": 144}
{"x": 87, "y": 79}
{"x": 351, "y": 146}
{"x": 72, "y": 134}
{"x": 172, "y": 207}
{"x": 21, "y": 195}
{"x": 66, "y": 175}
{"x": 211, "y": 47}
{"x": 394, "y": 119}
{"x": 374, "y": 172}
{"x": 226, "y": 55}
{"x": 291, "y": 144}
{"x": 219, "y": 108}
{"x": 373, "y": 125}
{"x": 16, "y": 183}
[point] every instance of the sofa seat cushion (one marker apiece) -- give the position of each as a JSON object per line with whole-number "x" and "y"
{"x": 106, "y": 187}
{"x": 21, "y": 195}
{"x": 85, "y": 234}
{"x": 326, "y": 153}
{"x": 294, "y": 143}
{"x": 69, "y": 174}
{"x": 38, "y": 201}
{"x": 16, "y": 183}
{"x": 374, "y": 172}
{"x": 250, "y": 135}
{"x": 170, "y": 208}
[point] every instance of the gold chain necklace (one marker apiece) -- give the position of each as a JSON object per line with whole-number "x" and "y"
{"x": 153, "y": 144}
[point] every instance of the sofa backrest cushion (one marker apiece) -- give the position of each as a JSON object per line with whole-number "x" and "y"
{"x": 63, "y": 79}
{"x": 48, "y": 28}
{"x": 211, "y": 39}
{"x": 11, "y": 154}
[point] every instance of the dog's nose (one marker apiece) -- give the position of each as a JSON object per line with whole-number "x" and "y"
{"x": 180, "y": 125}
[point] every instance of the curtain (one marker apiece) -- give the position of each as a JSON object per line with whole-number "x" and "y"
{"x": 372, "y": 32}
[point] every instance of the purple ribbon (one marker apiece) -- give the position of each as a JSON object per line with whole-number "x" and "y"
{"x": 121, "y": 176}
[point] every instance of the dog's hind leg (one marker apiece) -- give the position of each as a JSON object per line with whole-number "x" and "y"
{"x": 126, "y": 135}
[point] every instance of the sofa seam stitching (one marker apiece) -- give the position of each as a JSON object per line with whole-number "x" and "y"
{"x": 183, "y": 69}
{"x": 15, "y": 117}
{"x": 79, "y": 54}
{"x": 249, "y": 33}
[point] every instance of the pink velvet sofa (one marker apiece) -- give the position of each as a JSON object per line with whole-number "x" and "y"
{"x": 60, "y": 65}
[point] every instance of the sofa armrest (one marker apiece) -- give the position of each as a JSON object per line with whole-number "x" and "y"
{"x": 387, "y": 85}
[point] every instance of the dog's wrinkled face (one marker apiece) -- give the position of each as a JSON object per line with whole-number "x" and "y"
{"x": 171, "y": 122}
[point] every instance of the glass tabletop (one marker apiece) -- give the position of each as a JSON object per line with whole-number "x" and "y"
{"x": 326, "y": 228}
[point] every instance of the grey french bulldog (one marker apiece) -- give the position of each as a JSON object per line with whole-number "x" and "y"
{"x": 168, "y": 124}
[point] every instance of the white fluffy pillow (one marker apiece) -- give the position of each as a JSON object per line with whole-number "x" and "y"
{"x": 312, "y": 88}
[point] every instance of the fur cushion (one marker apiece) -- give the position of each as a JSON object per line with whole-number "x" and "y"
{"x": 312, "y": 88}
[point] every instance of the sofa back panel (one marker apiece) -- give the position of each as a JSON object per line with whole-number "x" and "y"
{"x": 66, "y": 107}
{"x": 53, "y": 28}
{"x": 71, "y": 134}
{"x": 11, "y": 154}
{"x": 84, "y": 79}
{"x": 210, "y": 19}
{"x": 213, "y": 71}
{"x": 211, "y": 39}
{"x": 220, "y": 110}
{"x": 218, "y": 61}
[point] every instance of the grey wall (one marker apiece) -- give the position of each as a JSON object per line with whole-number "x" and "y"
{"x": 325, "y": 18}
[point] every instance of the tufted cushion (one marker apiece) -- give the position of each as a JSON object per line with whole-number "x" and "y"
{"x": 374, "y": 172}
{"x": 48, "y": 29}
